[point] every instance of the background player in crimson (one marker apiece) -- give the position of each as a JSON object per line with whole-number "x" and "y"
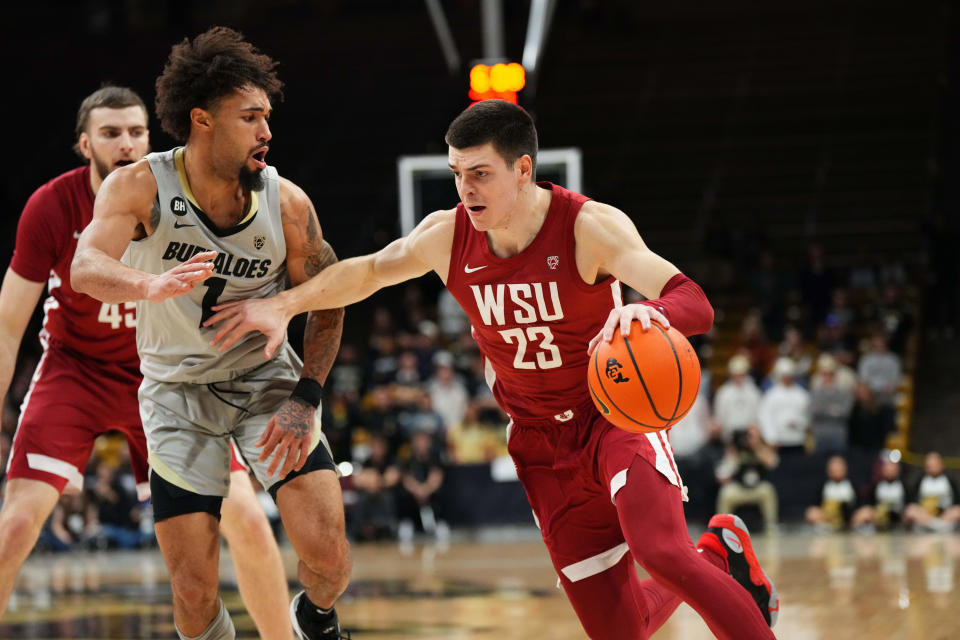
{"x": 536, "y": 268}
{"x": 87, "y": 380}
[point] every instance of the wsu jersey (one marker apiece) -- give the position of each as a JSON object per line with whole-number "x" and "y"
{"x": 532, "y": 314}
{"x": 250, "y": 263}
{"x": 47, "y": 236}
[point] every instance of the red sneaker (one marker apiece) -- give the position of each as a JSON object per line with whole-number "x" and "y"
{"x": 728, "y": 537}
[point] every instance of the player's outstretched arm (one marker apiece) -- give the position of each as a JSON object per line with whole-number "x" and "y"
{"x": 608, "y": 243}
{"x": 124, "y": 210}
{"x": 289, "y": 433}
{"x": 426, "y": 248}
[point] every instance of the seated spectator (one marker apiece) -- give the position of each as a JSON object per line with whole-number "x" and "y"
{"x": 885, "y": 501}
{"x": 842, "y": 375}
{"x": 447, "y": 392}
{"x": 737, "y": 401}
{"x": 880, "y": 370}
{"x": 784, "y": 411}
{"x": 116, "y": 513}
{"x": 71, "y": 523}
{"x": 934, "y": 507}
{"x": 420, "y": 481}
{"x": 475, "y": 441}
{"x": 381, "y": 417}
{"x": 830, "y": 407}
{"x": 837, "y": 498}
{"x": 799, "y": 351}
{"x": 376, "y": 480}
{"x": 743, "y": 476}
{"x": 422, "y": 417}
{"x": 755, "y": 346}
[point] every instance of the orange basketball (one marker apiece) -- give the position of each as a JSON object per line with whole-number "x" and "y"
{"x": 646, "y": 382}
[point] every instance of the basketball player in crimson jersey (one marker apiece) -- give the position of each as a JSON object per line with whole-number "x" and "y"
{"x": 87, "y": 380}
{"x": 537, "y": 269}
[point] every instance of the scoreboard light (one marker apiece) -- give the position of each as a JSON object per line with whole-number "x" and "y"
{"x": 501, "y": 81}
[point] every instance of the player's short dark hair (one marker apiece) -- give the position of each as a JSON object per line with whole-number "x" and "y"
{"x": 200, "y": 72}
{"x": 109, "y": 96}
{"x": 508, "y": 126}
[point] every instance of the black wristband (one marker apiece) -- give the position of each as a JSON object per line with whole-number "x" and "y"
{"x": 308, "y": 390}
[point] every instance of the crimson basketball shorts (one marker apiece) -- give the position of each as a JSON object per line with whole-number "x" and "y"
{"x": 73, "y": 399}
{"x": 572, "y": 466}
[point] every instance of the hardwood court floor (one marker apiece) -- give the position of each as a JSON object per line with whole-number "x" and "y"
{"x": 845, "y": 587}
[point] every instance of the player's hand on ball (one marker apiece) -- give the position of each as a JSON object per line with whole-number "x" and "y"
{"x": 287, "y": 437}
{"x": 624, "y": 316}
{"x": 181, "y": 279}
{"x": 240, "y": 317}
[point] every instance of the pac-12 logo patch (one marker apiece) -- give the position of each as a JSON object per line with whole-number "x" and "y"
{"x": 179, "y": 206}
{"x": 615, "y": 371}
{"x": 553, "y": 262}
{"x": 258, "y": 242}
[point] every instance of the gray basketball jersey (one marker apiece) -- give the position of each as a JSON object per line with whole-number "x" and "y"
{"x": 250, "y": 263}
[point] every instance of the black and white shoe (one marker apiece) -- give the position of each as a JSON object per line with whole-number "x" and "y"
{"x": 728, "y": 537}
{"x": 305, "y": 625}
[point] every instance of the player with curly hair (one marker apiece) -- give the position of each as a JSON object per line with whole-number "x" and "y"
{"x": 197, "y": 224}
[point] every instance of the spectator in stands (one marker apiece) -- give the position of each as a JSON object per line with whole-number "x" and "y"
{"x": 421, "y": 478}
{"x": 797, "y": 349}
{"x": 422, "y": 418}
{"x": 768, "y": 286}
{"x": 895, "y": 316}
{"x": 384, "y": 362}
{"x": 743, "y": 476}
{"x": 381, "y": 417}
{"x": 934, "y": 507}
{"x": 408, "y": 370}
{"x": 451, "y": 316}
{"x": 840, "y": 310}
{"x": 447, "y": 392}
{"x": 755, "y": 346}
{"x": 474, "y": 440}
{"x": 885, "y": 502}
{"x": 880, "y": 370}
{"x": 71, "y": 523}
{"x": 841, "y": 375}
{"x": 815, "y": 283}
{"x": 376, "y": 481}
{"x": 784, "y": 411}
{"x": 831, "y": 404}
{"x": 737, "y": 401}
{"x": 346, "y": 376}
{"x": 837, "y": 498}
{"x": 116, "y": 513}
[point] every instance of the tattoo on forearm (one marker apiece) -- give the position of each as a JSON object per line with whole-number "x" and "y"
{"x": 321, "y": 341}
{"x": 295, "y": 417}
{"x": 319, "y": 252}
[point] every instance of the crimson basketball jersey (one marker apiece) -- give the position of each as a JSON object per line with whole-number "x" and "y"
{"x": 47, "y": 235}
{"x": 532, "y": 314}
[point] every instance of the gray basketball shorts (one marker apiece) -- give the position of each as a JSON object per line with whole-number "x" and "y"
{"x": 189, "y": 425}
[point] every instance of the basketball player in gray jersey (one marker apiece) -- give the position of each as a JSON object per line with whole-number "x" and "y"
{"x": 194, "y": 226}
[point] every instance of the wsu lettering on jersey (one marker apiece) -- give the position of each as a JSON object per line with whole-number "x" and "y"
{"x": 225, "y": 264}
{"x": 521, "y": 303}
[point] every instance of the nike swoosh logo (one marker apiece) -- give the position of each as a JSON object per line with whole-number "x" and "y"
{"x": 467, "y": 269}
{"x": 177, "y": 225}
{"x": 76, "y": 234}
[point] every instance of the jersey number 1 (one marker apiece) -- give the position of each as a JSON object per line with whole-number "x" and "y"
{"x": 214, "y": 291}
